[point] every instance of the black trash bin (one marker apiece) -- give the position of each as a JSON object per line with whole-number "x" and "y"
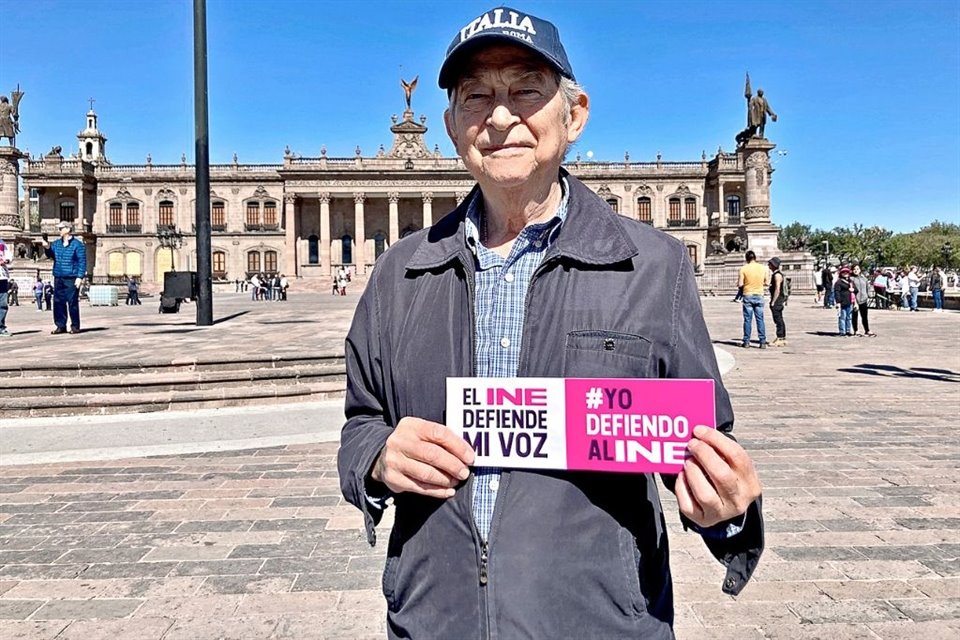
{"x": 177, "y": 287}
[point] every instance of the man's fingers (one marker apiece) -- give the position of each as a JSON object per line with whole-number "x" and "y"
{"x": 439, "y": 458}
{"x": 441, "y": 435}
{"x": 685, "y": 501}
{"x": 399, "y": 483}
{"x": 718, "y": 471}
{"x": 420, "y": 472}
{"x": 728, "y": 449}
{"x": 701, "y": 489}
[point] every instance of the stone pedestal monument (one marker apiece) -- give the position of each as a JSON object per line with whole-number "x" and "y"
{"x": 761, "y": 233}
{"x": 10, "y": 222}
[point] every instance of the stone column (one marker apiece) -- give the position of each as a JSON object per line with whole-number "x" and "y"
{"x": 290, "y": 234}
{"x": 360, "y": 238}
{"x": 427, "y": 208}
{"x": 10, "y": 221}
{"x": 81, "y": 205}
{"x": 325, "y": 231}
{"x": 761, "y": 234}
{"x": 394, "y": 199}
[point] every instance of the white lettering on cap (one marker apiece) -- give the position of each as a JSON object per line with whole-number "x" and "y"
{"x": 516, "y": 21}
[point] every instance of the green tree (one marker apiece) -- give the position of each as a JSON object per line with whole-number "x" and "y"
{"x": 794, "y": 236}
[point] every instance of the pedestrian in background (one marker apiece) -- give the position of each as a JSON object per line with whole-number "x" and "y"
{"x": 913, "y": 284}
{"x": 936, "y": 288}
{"x": 48, "y": 295}
{"x": 818, "y": 283}
{"x": 133, "y": 291}
{"x": 38, "y": 293}
{"x": 6, "y": 256}
{"x": 861, "y": 310}
{"x": 778, "y": 300}
{"x": 880, "y": 290}
{"x": 845, "y": 293}
{"x": 753, "y": 279}
{"x": 826, "y": 280}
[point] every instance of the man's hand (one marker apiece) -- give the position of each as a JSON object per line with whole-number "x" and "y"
{"x": 78, "y": 282}
{"x": 718, "y": 481}
{"x": 423, "y": 457}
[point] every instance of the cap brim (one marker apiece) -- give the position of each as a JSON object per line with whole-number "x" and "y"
{"x": 452, "y": 65}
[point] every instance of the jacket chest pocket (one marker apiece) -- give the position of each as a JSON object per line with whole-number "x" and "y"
{"x": 606, "y": 354}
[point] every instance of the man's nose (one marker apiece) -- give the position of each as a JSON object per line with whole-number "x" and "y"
{"x": 502, "y": 117}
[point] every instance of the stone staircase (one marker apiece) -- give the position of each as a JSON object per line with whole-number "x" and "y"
{"x": 108, "y": 388}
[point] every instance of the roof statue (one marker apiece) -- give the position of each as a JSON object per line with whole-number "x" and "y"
{"x": 408, "y": 89}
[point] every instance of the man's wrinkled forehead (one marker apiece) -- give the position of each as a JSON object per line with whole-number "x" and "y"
{"x": 504, "y": 62}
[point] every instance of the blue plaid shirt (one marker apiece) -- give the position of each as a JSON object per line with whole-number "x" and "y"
{"x": 500, "y": 295}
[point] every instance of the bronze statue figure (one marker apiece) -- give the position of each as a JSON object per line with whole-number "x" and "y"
{"x": 408, "y": 89}
{"x": 10, "y": 116}
{"x": 757, "y": 111}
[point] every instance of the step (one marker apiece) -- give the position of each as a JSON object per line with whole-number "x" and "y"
{"x": 147, "y": 365}
{"x": 329, "y": 371}
{"x": 103, "y": 404}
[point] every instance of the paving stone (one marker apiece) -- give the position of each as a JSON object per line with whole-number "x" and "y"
{"x": 18, "y": 609}
{"x": 246, "y": 584}
{"x": 138, "y": 629}
{"x": 848, "y": 611}
{"x": 217, "y": 567}
{"x": 128, "y": 570}
{"x": 31, "y": 629}
{"x": 97, "y": 608}
{"x": 928, "y": 609}
{"x": 245, "y": 628}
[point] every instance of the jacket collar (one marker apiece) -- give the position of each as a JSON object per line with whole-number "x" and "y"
{"x": 591, "y": 234}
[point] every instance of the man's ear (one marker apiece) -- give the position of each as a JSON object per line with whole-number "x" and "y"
{"x": 448, "y": 123}
{"x": 579, "y": 114}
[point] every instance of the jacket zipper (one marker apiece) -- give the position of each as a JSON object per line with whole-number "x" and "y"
{"x": 484, "y": 558}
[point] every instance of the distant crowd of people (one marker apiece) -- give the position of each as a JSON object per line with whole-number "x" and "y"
{"x": 845, "y": 287}
{"x": 892, "y": 288}
{"x": 265, "y": 287}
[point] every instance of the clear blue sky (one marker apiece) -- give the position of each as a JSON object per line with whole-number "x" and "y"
{"x": 868, "y": 93}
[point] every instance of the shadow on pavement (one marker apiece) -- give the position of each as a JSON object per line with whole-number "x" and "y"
{"x": 888, "y": 371}
{"x": 230, "y": 317}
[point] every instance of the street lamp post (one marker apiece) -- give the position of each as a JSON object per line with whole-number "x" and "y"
{"x": 827, "y": 243}
{"x": 170, "y": 238}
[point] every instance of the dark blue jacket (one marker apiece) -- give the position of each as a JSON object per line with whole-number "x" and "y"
{"x": 570, "y": 554}
{"x": 69, "y": 261}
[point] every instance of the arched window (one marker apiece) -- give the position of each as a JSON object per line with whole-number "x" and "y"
{"x": 408, "y": 230}
{"x": 674, "y": 213}
{"x": 133, "y": 217}
{"x": 614, "y": 204}
{"x": 270, "y": 261}
{"x": 66, "y": 212}
{"x": 346, "y": 249}
{"x": 690, "y": 212}
{"x": 313, "y": 249}
{"x": 644, "y": 210}
{"x": 218, "y": 216}
{"x": 253, "y": 262}
{"x": 733, "y": 209}
{"x": 115, "y": 222}
{"x": 89, "y": 149}
{"x": 165, "y": 218}
{"x": 379, "y": 244}
{"x": 219, "y": 265}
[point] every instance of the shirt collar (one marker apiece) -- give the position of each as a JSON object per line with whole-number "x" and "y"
{"x": 475, "y": 211}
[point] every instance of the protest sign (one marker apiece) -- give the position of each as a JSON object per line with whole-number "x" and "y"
{"x": 588, "y": 424}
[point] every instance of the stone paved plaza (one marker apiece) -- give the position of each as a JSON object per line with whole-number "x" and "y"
{"x": 853, "y": 438}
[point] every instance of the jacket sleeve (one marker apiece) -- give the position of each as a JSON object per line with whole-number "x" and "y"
{"x": 365, "y": 431}
{"x": 692, "y": 356}
{"x": 81, "y": 252}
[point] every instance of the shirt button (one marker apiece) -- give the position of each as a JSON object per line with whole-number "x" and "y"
{"x": 504, "y": 342}
{"x": 538, "y": 244}
{"x": 508, "y": 277}
{"x": 494, "y": 484}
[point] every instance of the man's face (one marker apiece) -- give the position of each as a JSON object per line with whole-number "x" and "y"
{"x": 508, "y": 120}
{"x": 64, "y": 231}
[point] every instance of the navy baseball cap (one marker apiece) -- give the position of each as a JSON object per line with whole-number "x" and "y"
{"x": 505, "y": 25}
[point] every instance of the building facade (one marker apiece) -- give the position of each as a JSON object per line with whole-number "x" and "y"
{"x": 305, "y": 217}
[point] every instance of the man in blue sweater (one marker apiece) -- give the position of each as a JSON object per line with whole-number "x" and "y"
{"x": 69, "y": 267}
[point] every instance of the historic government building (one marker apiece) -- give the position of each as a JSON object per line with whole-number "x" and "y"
{"x": 305, "y": 217}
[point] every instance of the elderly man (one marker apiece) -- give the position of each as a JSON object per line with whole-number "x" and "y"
{"x": 69, "y": 268}
{"x": 532, "y": 275}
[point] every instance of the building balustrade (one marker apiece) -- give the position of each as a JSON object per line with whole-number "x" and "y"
{"x": 674, "y": 223}
{"x": 260, "y": 227}
{"x": 690, "y": 222}
{"x": 124, "y": 228}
